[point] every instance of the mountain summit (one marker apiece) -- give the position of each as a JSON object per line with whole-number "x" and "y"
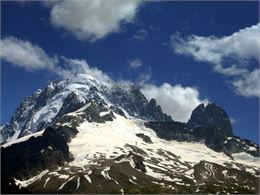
{"x": 81, "y": 135}
{"x": 46, "y": 107}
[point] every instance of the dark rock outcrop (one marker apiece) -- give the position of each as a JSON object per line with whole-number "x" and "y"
{"x": 92, "y": 112}
{"x": 170, "y": 130}
{"x": 135, "y": 103}
{"x": 154, "y": 112}
{"x": 216, "y": 178}
{"x": 53, "y": 88}
{"x": 70, "y": 104}
{"x": 145, "y": 138}
{"x": 117, "y": 110}
{"x": 235, "y": 144}
{"x": 26, "y": 159}
{"x": 211, "y": 116}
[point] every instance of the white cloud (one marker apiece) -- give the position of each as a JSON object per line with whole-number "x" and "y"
{"x": 244, "y": 44}
{"x": 24, "y": 54}
{"x": 230, "y": 71}
{"x": 135, "y": 63}
{"x": 140, "y": 35}
{"x": 144, "y": 78}
{"x": 75, "y": 66}
{"x": 92, "y": 20}
{"x": 249, "y": 85}
{"x": 229, "y": 55}
{"x": 176, "y": 100}
{"x": 31, "y": 57}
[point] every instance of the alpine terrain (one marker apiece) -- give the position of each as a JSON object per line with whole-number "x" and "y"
{"x": 81, "y": 135}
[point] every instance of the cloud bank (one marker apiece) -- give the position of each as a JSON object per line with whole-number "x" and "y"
{"x": 24, "y": 54}
{"x": 92, "y": 20}
{"x": 229, "y": 55}
{"x": 244, "y": 44}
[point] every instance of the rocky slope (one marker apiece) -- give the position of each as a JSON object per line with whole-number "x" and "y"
{"x": 85, "y": 136}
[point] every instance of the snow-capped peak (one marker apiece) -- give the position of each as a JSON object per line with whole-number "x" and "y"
{"x": 44, "y": 107}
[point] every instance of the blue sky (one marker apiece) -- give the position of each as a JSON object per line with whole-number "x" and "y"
{"x": 151, "y": 43}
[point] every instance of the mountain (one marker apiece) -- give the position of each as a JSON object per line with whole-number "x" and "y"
{"x": 45, "y": 107}
{"x": 81, "y": 135}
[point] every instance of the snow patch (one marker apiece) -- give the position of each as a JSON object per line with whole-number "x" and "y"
{"x": 27, "y": 182}
{"x": 224, "y": 172}
{"x": 64, "y": 176}
{"x": 23, "y": 139}
{"x": 88, "y": 178}
{"x": 78, "y": 183}
{"x": 66, "y": 182}
{"x": 14, "y": 137}
{"x": 105, "y": 175}
{"x": 250, "y": 148}
{"x": 104, "y": 113}
{"x": 46, "y": 181}
{"x": 244, "y": 158}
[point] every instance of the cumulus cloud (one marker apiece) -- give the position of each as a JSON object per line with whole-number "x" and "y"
{"x": 177, "y": 101}
{"x": 31, "y": 57}
{"x": 135, "y": 63}
{"x": 24, "y": 54}
{"x": 229, "y": 55}
{"x": 249, "y": 85}
{"x": 92, "y": 20}
{"x": 244, "y": 44}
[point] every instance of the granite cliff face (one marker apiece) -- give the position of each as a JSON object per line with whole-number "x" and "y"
{"x": 84, "y": 136}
